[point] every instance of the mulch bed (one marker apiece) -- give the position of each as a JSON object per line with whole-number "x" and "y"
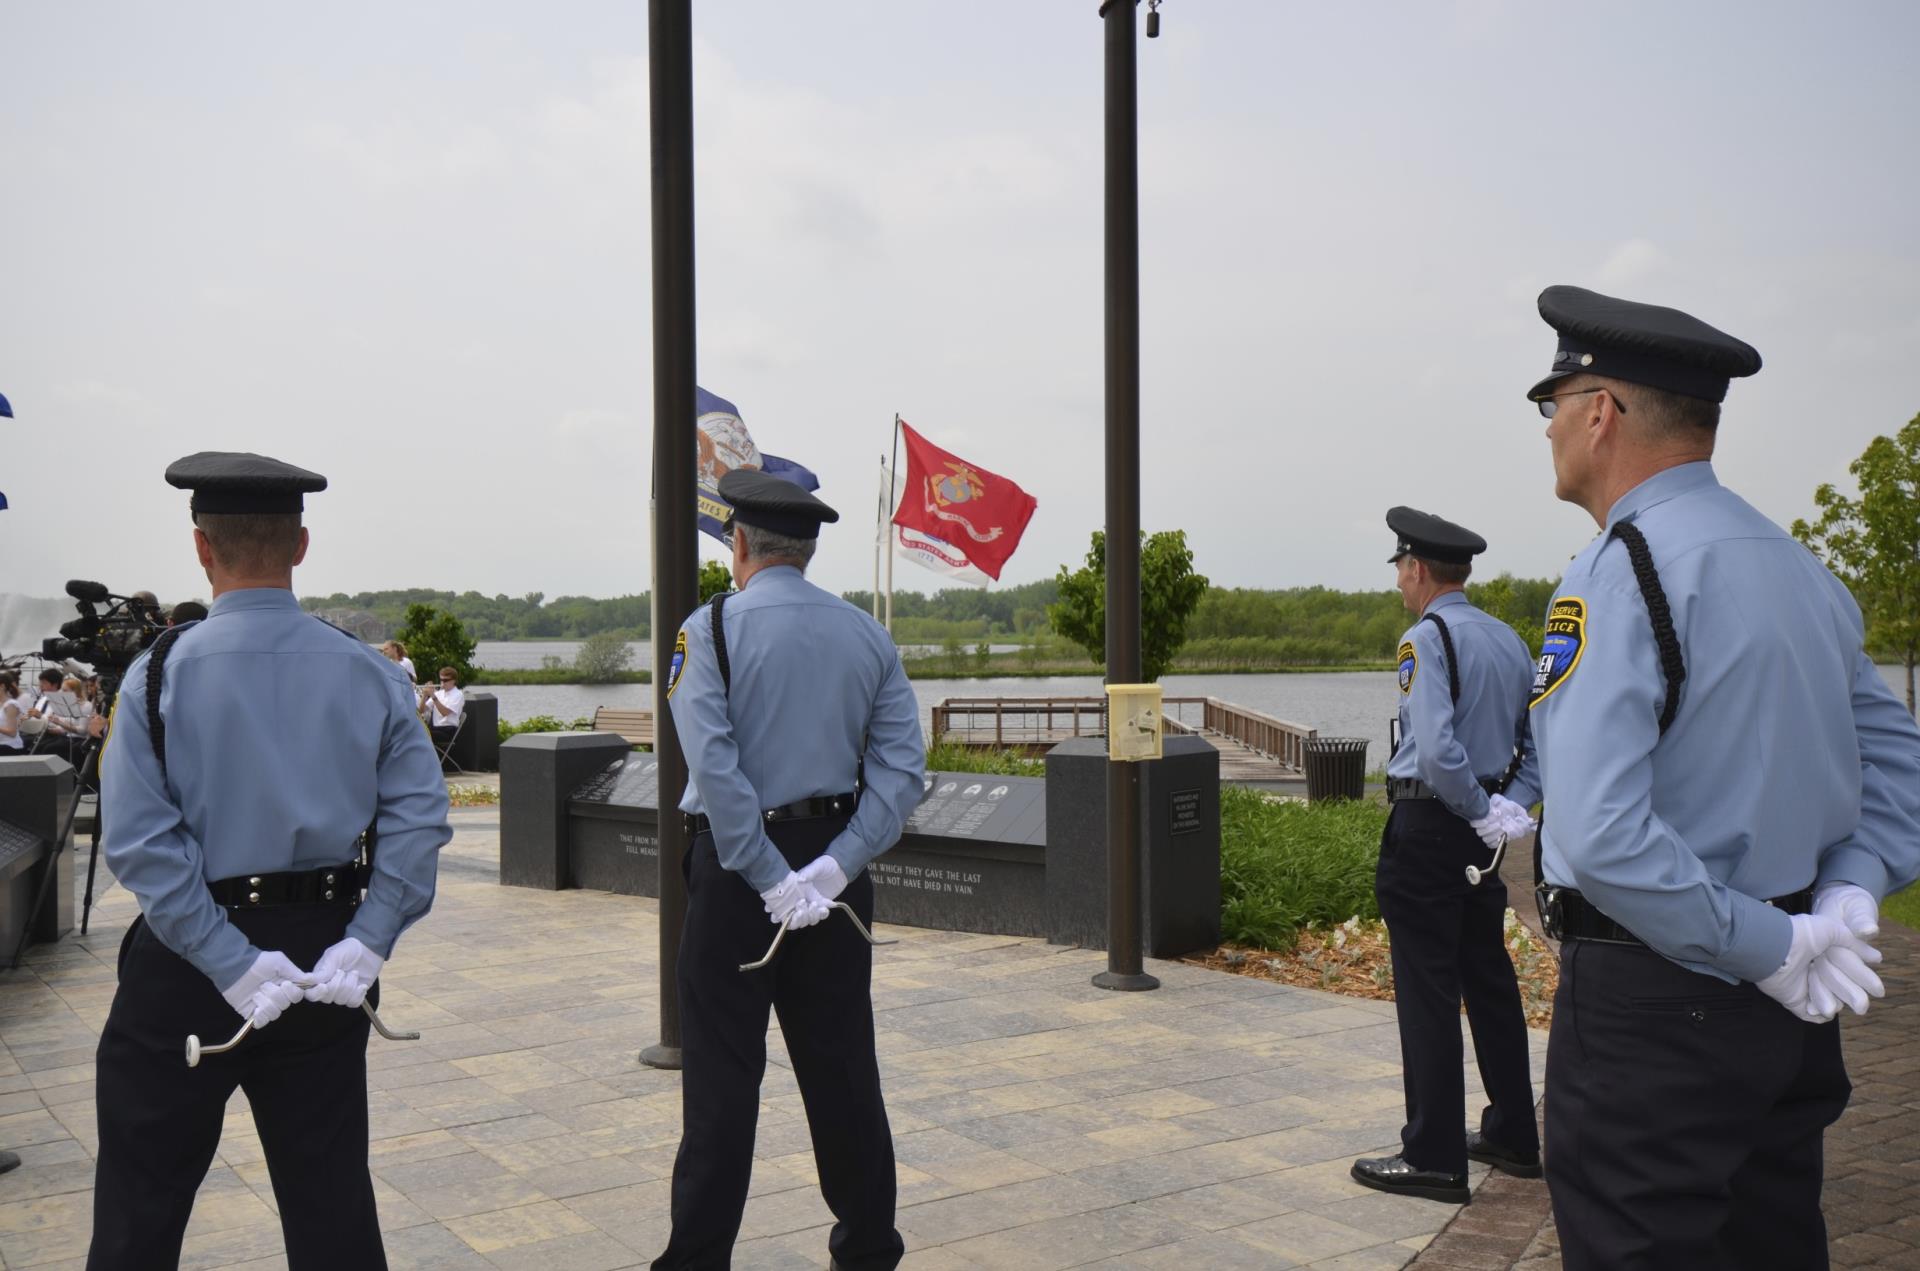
{"x": 1353, "y": 959}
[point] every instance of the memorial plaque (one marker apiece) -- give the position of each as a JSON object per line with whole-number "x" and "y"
{"x": 1184, "y": 812}
{"x": 630, "y": 783}
{"x": 615, "y": 836}
{"x": 971, "y": 857}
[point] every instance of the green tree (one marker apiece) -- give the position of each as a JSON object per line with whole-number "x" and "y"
{"x": 602, "y": 656}
{"x": 1169, "y": 593}
{"x": 435, "y": 639}
{"x": 715, "y": 578}
{"x": 1873, "y": 543}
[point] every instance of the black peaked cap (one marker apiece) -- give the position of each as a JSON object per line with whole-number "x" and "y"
{"x": 1640, "y": 343}
{"x": 1428, "y": 537}
{"x": 774, "y": 503}
{"x": 226, "y": 481}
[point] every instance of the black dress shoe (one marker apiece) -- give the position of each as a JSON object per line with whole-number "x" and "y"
{"x": 1487, "y": 1152}
{"x": 1393, "y": 1174}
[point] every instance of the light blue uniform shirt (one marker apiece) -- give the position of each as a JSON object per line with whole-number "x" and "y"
{"x": 1452, "y": 747}
{"x": 1789, "y": 761}
{"x": 285, "y": 739}
{"x": 812, "y": 675}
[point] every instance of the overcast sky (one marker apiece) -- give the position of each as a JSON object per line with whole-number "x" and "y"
{"x": 406, "y": 245}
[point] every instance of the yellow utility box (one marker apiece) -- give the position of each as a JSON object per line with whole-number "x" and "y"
{"x": 1134, "y": 722}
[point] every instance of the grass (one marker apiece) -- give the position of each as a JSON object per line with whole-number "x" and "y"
{"x": 1285, "y": 866}
{"x": 1904, "y": 907}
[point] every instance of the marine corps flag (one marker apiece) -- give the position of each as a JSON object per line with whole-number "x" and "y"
{"x": 975, "y": 517}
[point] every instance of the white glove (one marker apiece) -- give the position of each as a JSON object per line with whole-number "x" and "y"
{"x": 826, "y": 876}
{"x": 1492, "y": 827}
{"x": 269, "y": 986}
{"x": 795, "y": 902}
{"x": 344, "y": 973}
{"x": 1846, "y": 974}
{"x": 814, "y": 908}
{"x": 1854, "y": 906}
{"x": 1810, "y": 994}
{"x": 1515, "y": 821}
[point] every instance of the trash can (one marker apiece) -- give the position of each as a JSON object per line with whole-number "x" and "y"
{"x": 1336, "y": 768}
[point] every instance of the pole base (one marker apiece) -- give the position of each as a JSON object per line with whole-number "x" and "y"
{"x": 1122, "y": 983}
{"x": 661, "y": 1055}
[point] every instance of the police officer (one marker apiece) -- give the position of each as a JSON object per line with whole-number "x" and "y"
{"x": 803, "y": 743}
{"x": 1459, "y": 782}
{"x": 249, "y": 752}
{"x": 1730, "y": 788}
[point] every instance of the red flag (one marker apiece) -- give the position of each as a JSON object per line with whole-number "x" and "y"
{"x": 979, "y": 512}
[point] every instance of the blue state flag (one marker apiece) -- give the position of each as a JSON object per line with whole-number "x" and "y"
{"x": 722, "y": 444}
{"x": 6, "y": 407}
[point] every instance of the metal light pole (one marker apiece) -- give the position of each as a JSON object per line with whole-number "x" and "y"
{"x": 675, "y": 564}
{"x": 1124, "y": 969}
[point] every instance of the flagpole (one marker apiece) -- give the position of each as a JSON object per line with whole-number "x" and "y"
{"x": 892, "y": 477}
{"x": 676, "y": 558}
{"x": 1125, "y": 969}
{"x": 880, "y": 534}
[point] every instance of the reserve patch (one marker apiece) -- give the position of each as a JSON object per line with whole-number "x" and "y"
{"x": 1409, "y": 663}
{"x": 678, "y": 664}
{"x": 1566, "y": 639}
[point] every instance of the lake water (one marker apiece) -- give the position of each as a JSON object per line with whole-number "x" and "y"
{"x": 529, "y": 655}
{"x": 1336, "y": 703}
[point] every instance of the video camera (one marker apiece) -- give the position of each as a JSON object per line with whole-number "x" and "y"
{"x": 110, "y": 640}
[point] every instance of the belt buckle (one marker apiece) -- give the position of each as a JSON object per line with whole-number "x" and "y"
{"x": 1553, "y": 911}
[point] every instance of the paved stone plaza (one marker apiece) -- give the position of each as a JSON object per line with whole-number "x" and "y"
{"x": 1039, "y": 1122}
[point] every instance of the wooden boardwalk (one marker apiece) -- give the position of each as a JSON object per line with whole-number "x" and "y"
{"x": 1252, "y": 746}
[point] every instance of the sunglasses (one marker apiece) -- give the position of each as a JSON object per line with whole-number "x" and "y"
{"x": 1548, "y": 405}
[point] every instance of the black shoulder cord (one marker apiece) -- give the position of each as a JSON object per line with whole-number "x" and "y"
{"x": 720, "y": 642}
{"x": 1671, "y": 663}
{"x": 1673, "y": 666}
{"x": 156, "y": 674}
{"x": 1453, "y": 663}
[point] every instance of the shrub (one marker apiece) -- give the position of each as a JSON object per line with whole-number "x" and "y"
{"x": 544, "y": 724}
{"x": 1285, "y": 864}
{"x": 602, "y": 656}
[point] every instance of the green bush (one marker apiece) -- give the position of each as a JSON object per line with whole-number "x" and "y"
{"x": 602, "y": 657}
{"x": 544, "y": 724}
{"x": 1284, "y": 865}
{"x": 435, "y": 639}
{"x": 1002, "y": 763}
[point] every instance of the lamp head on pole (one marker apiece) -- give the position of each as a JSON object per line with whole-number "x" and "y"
{"x": 1153, "y": 19}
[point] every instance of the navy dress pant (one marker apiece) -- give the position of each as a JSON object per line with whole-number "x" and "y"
{"x": 1684, "y": 1118}
{"x": 305, "y": 1076}
{"x": 820, "y": 986}
{"x": 1449, "y": 945}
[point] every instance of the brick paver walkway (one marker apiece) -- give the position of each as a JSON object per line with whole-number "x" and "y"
{"x": 1039, "y": 1122}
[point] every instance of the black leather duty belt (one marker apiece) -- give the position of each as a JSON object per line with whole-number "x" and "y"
{"x": 804, "y": 810}
{"x": 330, "y": 884}
{"x": 1567, "y": 915}
{"x": 1399, "y": 788}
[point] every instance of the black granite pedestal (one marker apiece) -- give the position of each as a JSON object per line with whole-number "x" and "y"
{"x": 538, "y": 773}
{"x": 477, "y": 748}
{"x": 1180, "y": 822}
{"x": 36, "y": 794}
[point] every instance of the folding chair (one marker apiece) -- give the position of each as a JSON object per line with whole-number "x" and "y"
{"x": 446, "y": 751}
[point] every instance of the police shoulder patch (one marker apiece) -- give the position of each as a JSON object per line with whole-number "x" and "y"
{"x": 678, "y": 664}
{"x": 1566, "y": 639}
{"x": 1409, "y": 664}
